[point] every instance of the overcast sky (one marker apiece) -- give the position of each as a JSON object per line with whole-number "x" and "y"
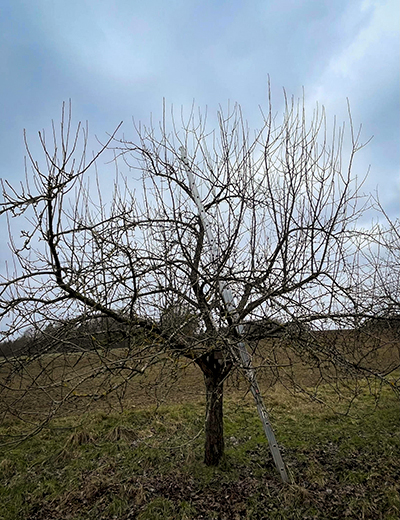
{"x": 118, "y": 59}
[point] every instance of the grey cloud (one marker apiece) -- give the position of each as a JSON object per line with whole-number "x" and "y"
{"x": 119, "y": 59}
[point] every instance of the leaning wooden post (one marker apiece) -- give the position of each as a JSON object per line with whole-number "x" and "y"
{"x": 227, "y": 297}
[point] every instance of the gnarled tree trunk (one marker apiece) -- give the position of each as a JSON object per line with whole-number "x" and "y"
{"x": 215, "y": 368}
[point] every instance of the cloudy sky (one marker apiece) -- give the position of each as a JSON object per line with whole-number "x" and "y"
{"x": 118, "y": 59}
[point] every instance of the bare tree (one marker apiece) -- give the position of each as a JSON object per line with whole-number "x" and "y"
{"x": 383, "y": 257}
{"x": 134, "y": 269}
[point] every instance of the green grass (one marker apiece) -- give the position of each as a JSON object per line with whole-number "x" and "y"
{"x": 148, "y": 465}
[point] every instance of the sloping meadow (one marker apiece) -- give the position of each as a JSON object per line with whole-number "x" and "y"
{"x": 143, "y": 458}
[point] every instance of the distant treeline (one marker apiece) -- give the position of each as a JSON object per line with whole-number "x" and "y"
{"x": 75, "y": 335}
{"x": 84, "y": 334}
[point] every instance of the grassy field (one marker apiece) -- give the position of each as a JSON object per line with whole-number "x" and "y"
{"x": 112, "y": 379}
{"x": 146, "y": 462}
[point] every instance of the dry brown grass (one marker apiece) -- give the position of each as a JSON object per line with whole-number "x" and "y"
{"x": 64, "y": 384}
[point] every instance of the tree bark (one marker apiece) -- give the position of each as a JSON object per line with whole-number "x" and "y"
{"x": 215, "y": 368}
{"x": 214, "y": 423}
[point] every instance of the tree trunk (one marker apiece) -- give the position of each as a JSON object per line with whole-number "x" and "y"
{"x": 215, "y": 367}
{"x": 214, "y": 424}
